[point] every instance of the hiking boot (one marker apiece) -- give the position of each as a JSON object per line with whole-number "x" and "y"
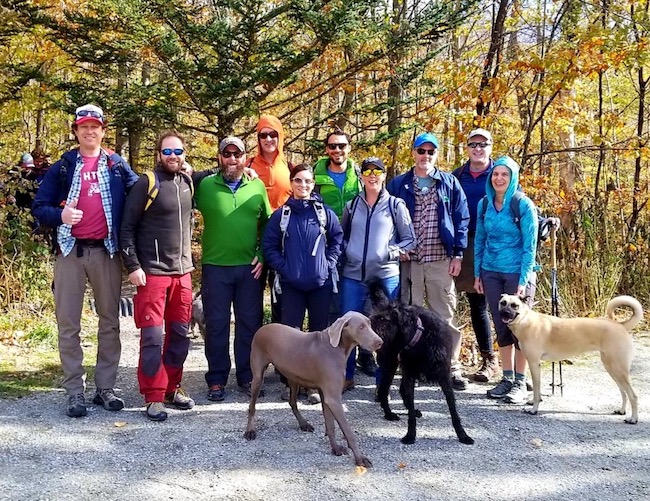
{"x": 179, "y": 399}
{"x": 458, "y": 382}
{"x": 488, "y": 368}
{"x": 216, "y": 393}
{"x": 500, "y": 390}
{"x": 367, "y": 364}
{"x": 348, "y": 385}
{"x": 77, "y": 405}
{"x": 247, "y": 389}
{"x": 107, "y": 399}
{"x": 517, "y": 395}
{"x": 313, "y": 397}
{"x": 156, "y": 411}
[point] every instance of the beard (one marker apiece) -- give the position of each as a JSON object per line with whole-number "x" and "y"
{"x": 232, "y": 172}
{"x": 171, "y": 166}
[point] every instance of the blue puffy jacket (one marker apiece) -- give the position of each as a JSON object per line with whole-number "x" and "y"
{"x": 307, "y": 260}
{"x": 53, "y": 191}
{"x": 453, "y": 214}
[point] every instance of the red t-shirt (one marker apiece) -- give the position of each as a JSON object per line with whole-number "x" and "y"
{"x": 93, "y": 223}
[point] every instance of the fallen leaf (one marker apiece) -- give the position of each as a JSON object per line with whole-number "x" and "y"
{"x": 119, "y": 424}
{"x": 401, "y": 465}
{"x": 536, "y": 442}
{"x": 361, "y": 470}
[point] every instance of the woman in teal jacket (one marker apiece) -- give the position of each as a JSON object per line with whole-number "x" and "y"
{"x": 504, "y": 262}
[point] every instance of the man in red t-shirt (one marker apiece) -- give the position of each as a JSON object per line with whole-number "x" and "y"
{"x": 82, "y": 196}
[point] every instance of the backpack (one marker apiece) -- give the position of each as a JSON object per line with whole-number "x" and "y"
{"x": 544, "y": 224}
{"x": 322, "y": 221}
{"x": 154, "y": 187}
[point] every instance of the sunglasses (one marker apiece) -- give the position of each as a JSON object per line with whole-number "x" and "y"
{"x": 228, "y": 154}
{"x": 90, "y": 113}
{"x": 368, "y": 172}
{"x": 299, "y": 180}
{"x": 340, "y": 146}
{"x": 480, "y": 145}
{"x": 176, "y": 151}
{"x": 268, "y": 135}
{"x": 422, "y": 151}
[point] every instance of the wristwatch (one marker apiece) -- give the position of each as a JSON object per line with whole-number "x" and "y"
{"x": 460, "y": 258}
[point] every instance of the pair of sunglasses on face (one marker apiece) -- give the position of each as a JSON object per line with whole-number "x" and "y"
{"x": 176, "y": 151}
{"x": 228, "y": 154}
{"x": 480, "y": 145}
{"x": 334, "y": 146}
{"x": 268, "y": 135}
{"x": 299, "y": 180}
{"x": 422, "y": 151}
{"x": 368, "y": 172}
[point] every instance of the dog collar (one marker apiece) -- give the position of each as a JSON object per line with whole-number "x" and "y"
{"x": 418, "y": 334}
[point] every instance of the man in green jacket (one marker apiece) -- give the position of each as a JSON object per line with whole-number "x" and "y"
{"x": 337, "y": 181}
{"x": 235, "y": 210}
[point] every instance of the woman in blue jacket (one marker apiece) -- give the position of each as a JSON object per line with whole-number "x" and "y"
{"x": 302, "y": 243}
{"x": 504, "y": 263}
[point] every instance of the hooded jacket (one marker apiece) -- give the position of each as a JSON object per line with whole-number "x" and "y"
{"x": 377, "y": 236}
{"x": 308, "y": 257}
{"x": 500, "y": 245}
{"x": 275, "y": 176}
{"x": 158, "y": 240}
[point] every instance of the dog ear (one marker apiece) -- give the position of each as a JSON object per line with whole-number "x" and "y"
{"x": 378, "y": 296}
{"x": 335, "y": 330}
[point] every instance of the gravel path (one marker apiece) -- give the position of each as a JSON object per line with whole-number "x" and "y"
{"x": 574, "y": 449}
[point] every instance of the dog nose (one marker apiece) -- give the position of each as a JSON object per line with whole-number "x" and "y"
{"x": 377, "y": 344}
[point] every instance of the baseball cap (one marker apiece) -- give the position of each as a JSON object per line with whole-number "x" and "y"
{"x": 480, "y": 132}
{"x": 425, "y": 137}
{"x": 27, "y": 160}
{"x": 88, "y": 112}
{"x": 371, "y": 162}
{"x": 231, "y": 140}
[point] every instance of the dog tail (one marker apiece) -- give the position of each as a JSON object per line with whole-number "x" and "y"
{"x": 378, "y": 294}
{"x": 637, "y": 310}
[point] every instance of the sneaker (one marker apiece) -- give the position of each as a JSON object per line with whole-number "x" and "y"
{"x": 156, "y": 411}
{"x": 77, "y": 405}
{"x": 313, "y": 397}
{"x": 517, "y": 395}
{"x": 367, "y": 365}
{"x": 458, "y": 382}
{"x": 500, "y": 390}
{"x": 247, "y": 389}
{"x": 107, "y": 399}
{"x": 216, "y": 393}
{"x": 179, "y": 399}
{"x": 348, "y": 385}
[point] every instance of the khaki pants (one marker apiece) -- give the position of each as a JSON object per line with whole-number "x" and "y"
{"x": 105, "y": 276}
{"x": 430, "y": 285}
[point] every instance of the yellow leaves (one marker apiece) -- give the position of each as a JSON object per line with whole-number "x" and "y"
{"x": 361, "y": 470}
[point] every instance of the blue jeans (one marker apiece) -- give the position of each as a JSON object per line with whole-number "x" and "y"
{"x": 222, "y": 286}
{"x": 355, "y": 296}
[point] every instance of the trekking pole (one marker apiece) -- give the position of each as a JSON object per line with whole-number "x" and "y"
{"x": 555, "y": 308}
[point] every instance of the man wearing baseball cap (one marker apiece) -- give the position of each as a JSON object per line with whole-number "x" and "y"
{"x": 235, "y": 210}
{"x": 473, "y": 176}
{"x": 82, "y": 196}
{"x": 438, "y": 208}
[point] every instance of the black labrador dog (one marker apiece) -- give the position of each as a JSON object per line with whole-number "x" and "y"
{"x": 419, "y": 341}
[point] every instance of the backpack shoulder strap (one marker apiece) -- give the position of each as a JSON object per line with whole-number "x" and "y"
{"x": 484, "y": 204}
{"x": 154, "y": 187}
{"x": 188, "y": 178}
{"x": 321, "y": 215}
{"x": 392, "y": 207}
{"x": 515, "y": 209}
{"x": 348, "y": 227}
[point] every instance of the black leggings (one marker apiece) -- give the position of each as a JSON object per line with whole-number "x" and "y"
{"x": 480, "y": 321}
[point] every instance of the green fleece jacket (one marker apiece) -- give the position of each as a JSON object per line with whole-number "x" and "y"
{"x": 331, "y": 195}
{"x": 232, "y": 222}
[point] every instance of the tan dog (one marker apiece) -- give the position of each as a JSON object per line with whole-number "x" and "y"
{"x": 545, "y": 337}
{"x": 313, "y": 360}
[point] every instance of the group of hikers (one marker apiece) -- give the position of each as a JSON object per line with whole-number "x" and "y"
{"x": 313, "y": 234}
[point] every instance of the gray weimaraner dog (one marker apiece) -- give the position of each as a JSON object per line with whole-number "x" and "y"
{"x": 313, "y": 360}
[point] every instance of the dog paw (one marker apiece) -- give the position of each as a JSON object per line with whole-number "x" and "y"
{"x": 307, "y": 427}
{"x": 530, "y": 411}
{"x": 391, "y": 416}
{"x": 631, "y": 421}
{"x": 339, "y": 450}
{"x": 418, "y": 414}
{"x": 408, "y": 439}
{"x": 364, "y": 461}
{"x": 467, "y": 440}
{"x": 250, "y": 435}
{"x": 619, "y": 412}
